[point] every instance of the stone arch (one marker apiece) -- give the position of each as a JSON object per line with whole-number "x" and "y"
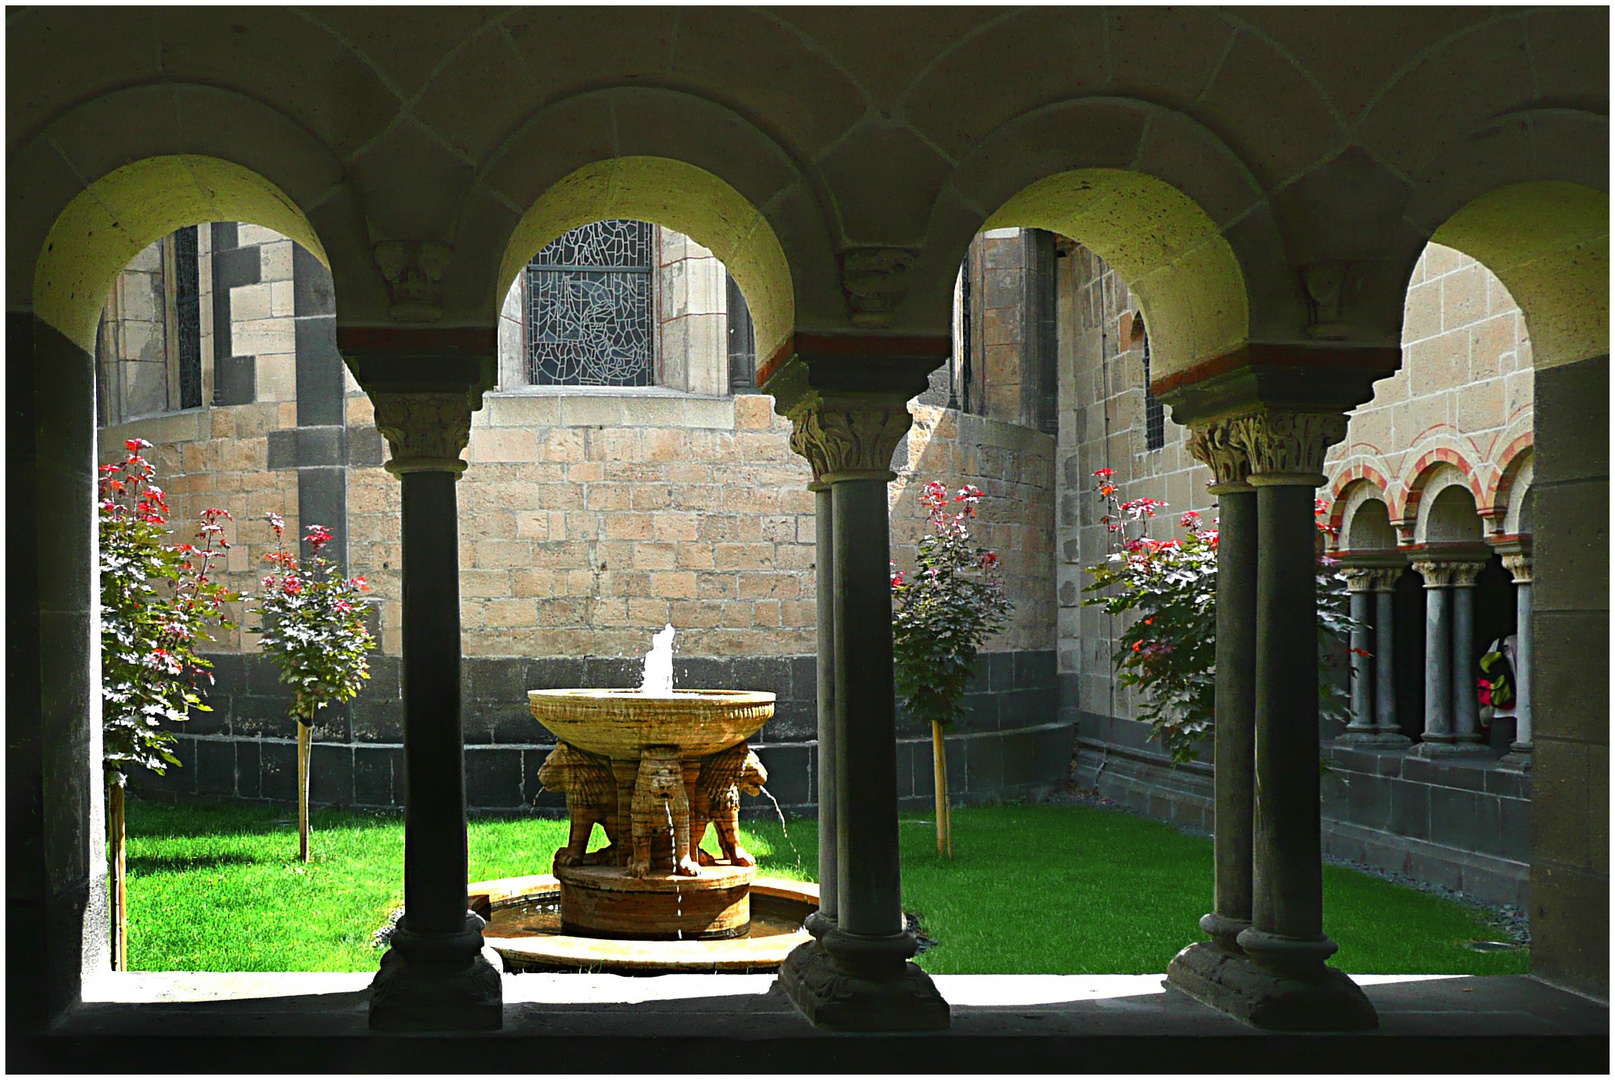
{"x": 1188, "y": 279}
{"x": 88, "y": 243}
{"x": 1511, "y": 495}
{"x": 1445, "y": 510}
{"x": 1548, "y": 243}
{"x": 112, "y": 219}
{"x": 1352, "y": 489}
{"x": 1415, "y": 481}
{"x": 679, "y": 196}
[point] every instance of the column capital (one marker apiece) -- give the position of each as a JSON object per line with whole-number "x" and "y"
{"x": 1212, "y": 444}
{"x": 1358, "y": 578}
{"x": 1384, "y": 578}
{"x": 425, "y": 383}
{"x": 847, "y": 399}
{"x": 1448, "y": 573}
{"x": 1287, "y": 446}
{"x": 1518, "y": 563}
{"x": 1517, "y": 556}
{"x": 425, "y": 432}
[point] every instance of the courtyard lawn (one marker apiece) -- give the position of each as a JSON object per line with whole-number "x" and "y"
{"x": 1057, "y": 889}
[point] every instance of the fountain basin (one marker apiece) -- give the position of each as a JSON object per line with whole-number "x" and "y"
{"x": 524, "y": 926}
{"x": 620, "y": 724}
{"x": 605, "y": 901}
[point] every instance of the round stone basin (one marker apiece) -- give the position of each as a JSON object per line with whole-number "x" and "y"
{"x": 621, "y": 723}
{"x": 524, "y": 927}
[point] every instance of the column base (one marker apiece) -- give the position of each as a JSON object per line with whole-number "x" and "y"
{"x": 882, "y": 993}
{"x": 1518, "y": 758}
{"x": 1233, "y": 983}
{"x": 437, "y": 982}
{"x": 1450, "y": 750}
{"x": 1372, "y": 738}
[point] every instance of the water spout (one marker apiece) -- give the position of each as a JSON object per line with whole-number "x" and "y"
{"x": 782, "y": 829}
{"x": 658, "y": 680}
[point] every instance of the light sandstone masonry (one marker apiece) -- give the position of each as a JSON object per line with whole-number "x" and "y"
{"x": 1464, "y": 387}
{"x": 588, "y": 518}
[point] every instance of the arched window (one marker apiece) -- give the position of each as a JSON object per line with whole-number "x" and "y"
{"x": 1154, "y": 414}
{"x": 149, "y": 346}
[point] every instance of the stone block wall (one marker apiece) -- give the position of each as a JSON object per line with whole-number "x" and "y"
{"x": 1463, "y": 395}
{"x": 589, "y": 517}
{"x": 1465, "y": 386}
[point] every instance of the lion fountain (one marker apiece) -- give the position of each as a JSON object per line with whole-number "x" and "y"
{"x": 655, "y": 768}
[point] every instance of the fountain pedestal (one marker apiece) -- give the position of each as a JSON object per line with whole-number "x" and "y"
{"x": 655, "y": 771}
{"x": 604, "y": 901}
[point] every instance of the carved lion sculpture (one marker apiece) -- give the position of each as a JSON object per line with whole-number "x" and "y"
{"x": 660, "y": 799}
{"x": 591, "y": 796}
{"x": 717, "y": 799}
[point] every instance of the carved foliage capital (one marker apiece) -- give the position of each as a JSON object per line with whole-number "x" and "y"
{"x": 1283, "y": 443}
{"x": 848, "y": 439}
{"x": 426, "y": 431}
{"x": 1441, "y": 574}
{"x": 1359, "y": 578}
{"x": 1211, "y": 442}
{"x": 1518, "y": 564}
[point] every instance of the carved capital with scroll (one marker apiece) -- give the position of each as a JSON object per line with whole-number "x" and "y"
{"x": 848, "y": 438}
{"x": 426, "y": 431}
{"x": 1211, "y": 443}
{"x": 1287, "y": 447}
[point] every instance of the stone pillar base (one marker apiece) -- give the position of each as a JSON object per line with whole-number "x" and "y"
{"x": 1326, "y": 1000}
{"x": 438, "y": 983}
{"x": 1518, "y": 759}
{"x": 838, "y": 999}
{"x": 1377, "y": 739}
{"x": 1450, "y": 750}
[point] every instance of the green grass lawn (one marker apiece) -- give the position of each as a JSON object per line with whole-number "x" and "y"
{"x": 1058, "y": 889}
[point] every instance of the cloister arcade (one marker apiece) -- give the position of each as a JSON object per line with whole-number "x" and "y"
{"x": 1266, "y": 180}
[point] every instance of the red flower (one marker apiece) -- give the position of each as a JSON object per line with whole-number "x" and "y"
{"x": 1103, "y": 474}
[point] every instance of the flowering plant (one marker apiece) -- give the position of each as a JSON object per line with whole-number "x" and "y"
{"x": 942, "y": 614}
{"x": 313, "y": 623}
{"x": 157, "y": 601}
{"x": 313, "y": 629}
{"x": 1170, "y": 587}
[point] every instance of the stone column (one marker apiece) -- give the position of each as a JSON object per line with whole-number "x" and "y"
{"x": 1199, "y": 968}
{"x": 1373, "y": 686}
{"x": 1359, "y": 581}
{"x": 1385, "y": 721}
{"x": 1286, "y": 939}
{"x": 1465, "y": 701}
{"x": 830, "y": 757}
{"x": 1519, "y": 753}
{"x": 435, "y": 975}
{"x": 1441, "y": 687}
{"x": 848, "y": 415}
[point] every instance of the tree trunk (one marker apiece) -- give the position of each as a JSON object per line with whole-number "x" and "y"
{"x": 305, "y": 734}
{"x": 117, "y": 835}
{"x": 944, "y": 811}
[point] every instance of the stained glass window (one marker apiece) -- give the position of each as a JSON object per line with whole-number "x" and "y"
{"x": 591, "y": 307}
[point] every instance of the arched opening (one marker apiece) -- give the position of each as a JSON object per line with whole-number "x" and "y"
{"x": 1188, "y": 280}
{"x": 92, "y": 240}
{"x": 677, "y": 196}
